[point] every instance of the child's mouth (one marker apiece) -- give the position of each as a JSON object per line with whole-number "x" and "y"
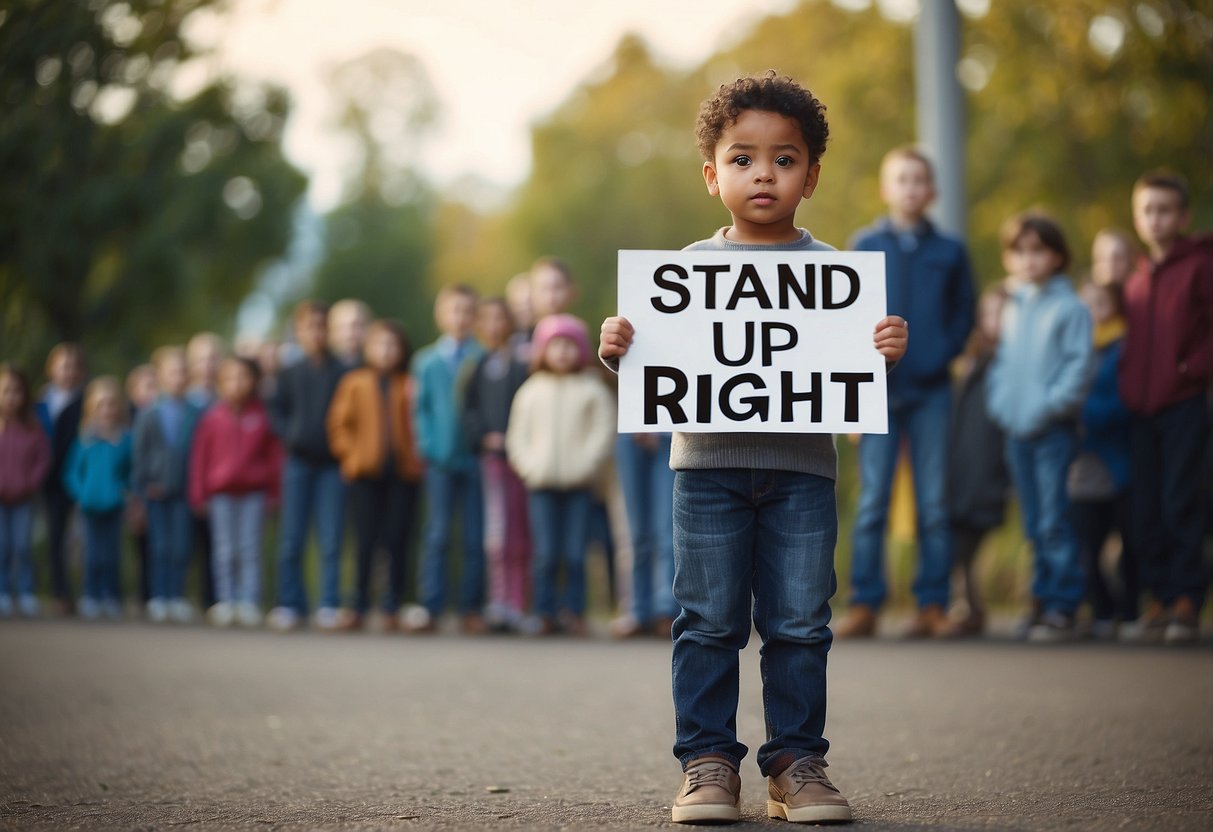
{"x": 762, "y": 198}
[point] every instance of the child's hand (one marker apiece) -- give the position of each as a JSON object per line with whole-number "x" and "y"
{"x": 615, "y": 337}
{"x": 891, "y": 337}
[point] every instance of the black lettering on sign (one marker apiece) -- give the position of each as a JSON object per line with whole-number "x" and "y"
{"x": 790, "y": 396}
{"x": 670, "y": 401}
{"x": 806, "y": 293}
{"x": 709, "y": 283}
{"x": 852, "y": 382}
{"x": 758, "y": 405}
{"x": 684, "y": 294}
{"x": 749, "y": 275}
{"x": 827, "y": 287}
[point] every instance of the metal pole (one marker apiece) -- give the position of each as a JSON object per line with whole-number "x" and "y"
{"x": 941, "y": 108}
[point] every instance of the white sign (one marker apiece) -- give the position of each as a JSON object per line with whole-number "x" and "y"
{"x": 770, "y": 341}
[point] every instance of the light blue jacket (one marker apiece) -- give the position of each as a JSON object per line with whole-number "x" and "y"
{"x": 1045, "y": 360}
{"x": 438, "y": 406}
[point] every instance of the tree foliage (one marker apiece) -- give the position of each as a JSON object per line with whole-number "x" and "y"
{"x": 130, "y": 215}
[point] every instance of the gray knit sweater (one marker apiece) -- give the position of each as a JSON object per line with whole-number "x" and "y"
{"x": 809, "y": 453}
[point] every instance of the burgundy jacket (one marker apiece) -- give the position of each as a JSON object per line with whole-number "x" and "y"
{"x": 25, "y": 460}
{"x": 1168, "y": 352}
{"x": 234, "y": 453}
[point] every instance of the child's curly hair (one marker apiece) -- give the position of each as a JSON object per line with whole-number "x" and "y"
{"x": 768, "y": 93}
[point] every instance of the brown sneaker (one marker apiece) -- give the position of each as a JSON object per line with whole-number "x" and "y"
{"x": 803, "y": 794}
{"x": 711, "y": 792}
{"x": 859, "y": 622}
{"x": 931, "y": 622}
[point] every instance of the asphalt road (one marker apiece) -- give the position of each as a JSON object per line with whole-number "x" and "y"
{"x": 127, "y": 726}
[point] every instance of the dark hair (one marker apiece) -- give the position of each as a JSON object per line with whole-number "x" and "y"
{"x": 1048, "y": 231}
{"x": 307, "y": 308}
{"x": 1163, "y": 178}
{"x": 248, "y": 364}
{"x": 766, "y": 93}
{"x": 396, "y": 331}
{"x": 25, "y": 414}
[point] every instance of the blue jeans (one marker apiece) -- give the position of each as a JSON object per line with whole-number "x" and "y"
{"x": 170, "y": 540}
{"x": 236, "y": 523}
{"x": 925, "y": 425}
{"x": 648, "y": 492}
{"x": 1038, "y": 468}
{"x": 310, "y": 491}
{"x": 445, "y": 490}
{"x": 102, "y": 555}
{"x": 16, "y": 552}
{"x": 560, "y": 534}
{"x": 769, "y": 536}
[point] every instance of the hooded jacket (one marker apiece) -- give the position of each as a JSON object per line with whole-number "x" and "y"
{"x": 1168, "y": 349}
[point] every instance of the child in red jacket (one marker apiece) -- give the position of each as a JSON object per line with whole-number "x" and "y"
{"x": 25, "y": 459}
{"x": 234, "y": 472}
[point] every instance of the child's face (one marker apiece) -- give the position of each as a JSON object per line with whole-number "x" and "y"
{"x": 1029, "y": 259}
{"x": 312, "y": 332}
{"x": 551, "y": 291}
{"x": 455, "y": 315}
{"x": 518, "y": 296}
{"x": 989, "y": 317}
{"x": 204, "y": 361}
{"x": 562, "y": 356}
{"x": 107, "y": 411}
{"x": 11, "y": 397}
{"x": 142, "y": 387}
{"x": 383, "y": 352}
{"x": 67, "y": 370}
{"x": 347, "y": 329}
{"x": 1111, "y": 260}
{"x": 906, "y": 187}
{"x": 1158, "y": 216}
{"x": 761, "y": 169}
{"x": 235, "y": 383}
{"x": 493, "y": 325}
{"x": 1098, "y": 302}
{"x": 173, "y": 376}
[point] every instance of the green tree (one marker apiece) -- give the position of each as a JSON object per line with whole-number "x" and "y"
{"x": 130, "y": 216}
{"x": 379, "y": 243}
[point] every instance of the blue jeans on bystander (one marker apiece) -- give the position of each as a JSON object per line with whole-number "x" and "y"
{"x": 170, "y": 540}
{"x": 310, "y": 491}
{"x": 102, "y": 555}
{"x": 446, "y": 490}
{"x": 16, "y": 553}
{"x": 648, "y": 492}
{"x": 560, "y": 533}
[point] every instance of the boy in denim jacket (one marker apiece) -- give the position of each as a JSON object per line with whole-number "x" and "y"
{"x": 755, "y": 520}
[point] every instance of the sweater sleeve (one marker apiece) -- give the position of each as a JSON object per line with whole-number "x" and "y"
{"x": 600, "y": 431}
{"x": 341, "y": 419}
{"x": 422, "y": 405}
{"x": 1076, "y": 367}
{"x": 199, "y": 452}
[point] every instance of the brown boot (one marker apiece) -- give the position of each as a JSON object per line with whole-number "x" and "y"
{"x": 711, "y": 792}
{"x": 859, "y": 622}
{"x": 931, "y": 622}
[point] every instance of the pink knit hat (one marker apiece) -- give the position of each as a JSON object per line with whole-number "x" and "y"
{"x": 553, "y": 326}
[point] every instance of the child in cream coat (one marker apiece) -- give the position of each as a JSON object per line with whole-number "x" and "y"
{"x": 561, "y": 430}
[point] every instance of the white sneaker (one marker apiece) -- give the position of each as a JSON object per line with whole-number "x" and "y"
{"x": 28, "y": 606}
{"x": 1178, "y": 632}
{"x": 248, "y": 614}
{"x": 111, "y": 608}
{"x": 329, "y": 619}
{"x": 180, "y": 611}
{"x": 157, "y": 610}
{"x": 222, "y": 614}
{"x": 89, "y": 609}
{"x": 284, "y": 619}
{"x": 6, "y": 606}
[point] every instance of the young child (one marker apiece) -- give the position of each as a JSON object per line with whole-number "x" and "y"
{"x": 370, "y": 432}
{"x": 978, "y": 481}
{"x": 560, "y": 431}
{"x": 1165, "y": 374}
{"x": 452, "y": 475}
{"x": 1099, "y": 476}
{"x": 764, "y": 532}
{"x": 97, "y": 475}
{"x": 235, "y": 466}
{"x": 929, "y": 281}
{"x": 486, "y": 415}
{"x": 204, "y": 353}
{"x": 1040, "y": 376}
{"x": 59, "y": 412}
{"x": 25, "y": 459}
{"x": 163, "y": 434}
{"x": 312, "y": 489}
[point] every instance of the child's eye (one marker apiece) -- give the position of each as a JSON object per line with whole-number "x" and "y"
{"x": 742, "y": 161}
{"x": 784, "y": 161}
